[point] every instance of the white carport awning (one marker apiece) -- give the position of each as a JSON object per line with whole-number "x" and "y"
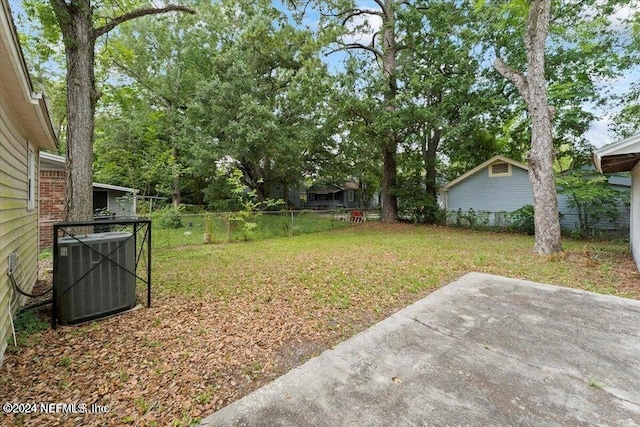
{"x": 621, "y": 156}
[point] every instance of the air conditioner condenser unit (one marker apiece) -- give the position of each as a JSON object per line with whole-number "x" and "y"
{"x": 95, "y": 276}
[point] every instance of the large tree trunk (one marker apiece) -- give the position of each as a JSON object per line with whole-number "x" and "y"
{"x": 545, "y": 199}
{"x": 534, "y": 90}
{"x": 175, "y": 193}
{"x": 75, "y": 18}
{"x": 430, "y": 143}
{"x": 78, "y": 37}
{"x": 389, "y": 147}
{"x": 389, "y": 200}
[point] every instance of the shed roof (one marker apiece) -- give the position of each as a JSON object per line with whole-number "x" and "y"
{"x": 621, "y": 156}
{"x": 482, "y": 166}
{"x": 28, "y": 105}
{"x": 114, "y": 187}
{"x": 51, "y": 158}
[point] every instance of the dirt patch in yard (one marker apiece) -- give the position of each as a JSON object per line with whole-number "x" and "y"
{"x": 193, "y": 353}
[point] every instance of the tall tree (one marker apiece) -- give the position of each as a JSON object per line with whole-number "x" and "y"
{"x": 533, "y": 88}
{"x": 443, "y": 94}
{"x": 554, "y": 61}
{"x": 164, "y": 59}
{"x": 263, "y": 103}
{"x": 81, "y": 27}
{"x": 349, "y": 20}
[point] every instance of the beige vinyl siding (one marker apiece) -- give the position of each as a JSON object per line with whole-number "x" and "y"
{"x": 634, "y": 238}
{"x": 18, "y": 226}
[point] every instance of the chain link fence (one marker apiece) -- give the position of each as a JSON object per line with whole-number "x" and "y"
{"x": 571, "y": 223}
{"x": 172, "y": 230}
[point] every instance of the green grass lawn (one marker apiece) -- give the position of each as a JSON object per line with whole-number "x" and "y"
{"x": 371, "y": 266}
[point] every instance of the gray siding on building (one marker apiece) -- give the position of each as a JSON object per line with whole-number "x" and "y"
{"x": 482, "y": 192}
{"x": 341, "y": 201}
{"x": 569, "y": 216}
{"x": 121, "y": 203}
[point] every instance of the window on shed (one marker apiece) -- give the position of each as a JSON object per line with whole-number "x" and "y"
{"x": 500, "y": 169}
{"x": 350, "y": 196}
{"x": 31, "y": 179}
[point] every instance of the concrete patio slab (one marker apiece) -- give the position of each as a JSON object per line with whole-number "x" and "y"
{"x": 482, "y": 350}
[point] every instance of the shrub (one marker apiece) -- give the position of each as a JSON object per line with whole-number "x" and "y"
{"x": 170, "y": 217}
{"x": 522, "y": 220}
{"x": 420, "y": 207}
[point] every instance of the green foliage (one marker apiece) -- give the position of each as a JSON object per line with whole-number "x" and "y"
{"x": 424, "y": 210}
{"x": 46, "y": 254}
{"x": 583, "y": 49}
{"x": 592, "y": 197}
{"x": 170, "y": 217}
{"x": 419, "y": 206}
{"x": 27, "y": 325}
{"x": 471, "y": 218}
{"x": 627, "y": 122}
{"x": 244, "y": 218}
{"x": 522, "y": 220}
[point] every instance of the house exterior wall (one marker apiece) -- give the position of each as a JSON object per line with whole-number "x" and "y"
{"x": 634, "y": 234}
{"x": 569, "y": 216}
{"x": 51, "y": 191}
{"x": 342, "y": 201}
{"x": 491, "y": 193}
{"x": 18, "y": 223}
{"x": 484, "y": 193}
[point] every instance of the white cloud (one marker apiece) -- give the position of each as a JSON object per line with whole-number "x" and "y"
{"x": 598, "y": 133}
{"x": 361, "y": 29}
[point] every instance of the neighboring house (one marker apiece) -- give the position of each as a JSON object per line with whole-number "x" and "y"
{"x": 25, "y": 128}
{"x": 118, "y": 201}
{"x": 496, "y": 186}
{"x": 570, "y": 220}
{"x": 500, "y": 186}
{"x": 333, "y": 196}
{"x": 624, "y": 156}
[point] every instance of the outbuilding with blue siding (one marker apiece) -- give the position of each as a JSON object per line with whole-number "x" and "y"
{"x": 491, "y": 189}
{"x": 488, "y": 193}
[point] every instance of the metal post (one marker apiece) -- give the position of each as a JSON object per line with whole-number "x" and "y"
{"x": 149, "y": 265}
{"x": 54, "y": 295}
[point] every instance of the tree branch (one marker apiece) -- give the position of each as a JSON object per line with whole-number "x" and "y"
{"x": 353, "y": 46}
{"x": 61, "y": 10}
{"x": 373, "y": 38}
{"x": 137, "y": 14}
{"x": 382, "y": 6}
{"x": 357, "y": 12}
{"x": 515, "y": 76}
